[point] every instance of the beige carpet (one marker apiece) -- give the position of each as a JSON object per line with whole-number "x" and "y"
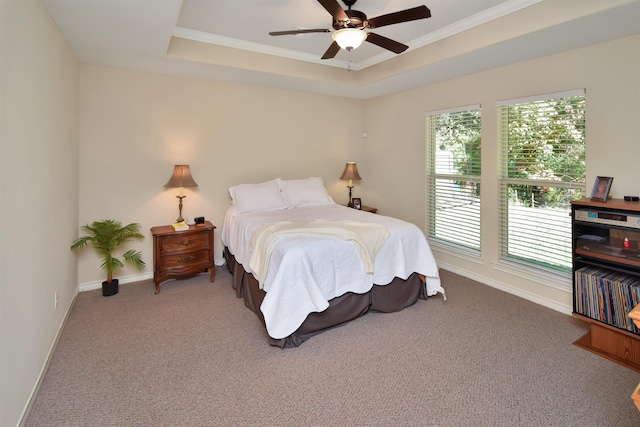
{"x": 195, "y": 356}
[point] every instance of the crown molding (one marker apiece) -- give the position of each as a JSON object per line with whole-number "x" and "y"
{"x": 488, "y": 15}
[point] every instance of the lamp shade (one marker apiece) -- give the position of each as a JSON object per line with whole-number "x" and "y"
{"x": 349, "y": 38}
{"x": 351, "y": 172}
{"x": 181, "y": 177}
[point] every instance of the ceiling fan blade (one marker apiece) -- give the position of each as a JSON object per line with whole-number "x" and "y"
{"x": 412, "y": 14}
{"x": 293, "y": 32}
{"x": 333, "y": 7}
{"x": 386, "y": 43}
{"x": 332, "y": 51}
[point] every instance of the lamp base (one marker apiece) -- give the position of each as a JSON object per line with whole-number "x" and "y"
{"x": 350, "y": 204}
{"x": 180, "y": 219}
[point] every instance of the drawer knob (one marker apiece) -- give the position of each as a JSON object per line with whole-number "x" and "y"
{"x": 191, "y": 258}
{"x": 187, "y": 243}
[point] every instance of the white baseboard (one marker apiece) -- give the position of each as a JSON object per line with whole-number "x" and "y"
{"x": 554, "y": 305}
{"x": 36, "y": 388}
{"x": 90, "y": 286}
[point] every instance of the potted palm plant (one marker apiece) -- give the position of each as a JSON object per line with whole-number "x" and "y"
{"x": 106, "y": 236}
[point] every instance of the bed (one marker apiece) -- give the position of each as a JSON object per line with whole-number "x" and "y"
{"x": 304, "y": 264}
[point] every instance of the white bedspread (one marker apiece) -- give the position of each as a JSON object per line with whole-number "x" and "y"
{"x": 368, "y": 238}
{"x": 305, "y": 272}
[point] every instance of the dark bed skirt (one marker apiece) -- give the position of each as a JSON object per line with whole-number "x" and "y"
{"x": 394, "y": 296}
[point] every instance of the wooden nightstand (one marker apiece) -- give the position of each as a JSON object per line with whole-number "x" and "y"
{"x": 365, "y": 208}
{"x": 182, "y": 254}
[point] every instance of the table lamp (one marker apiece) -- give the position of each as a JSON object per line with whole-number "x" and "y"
{"x": 181, "y": 178}
{"x": 350, "y": 173}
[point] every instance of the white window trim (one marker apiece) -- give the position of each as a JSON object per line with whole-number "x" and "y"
{"x": 462, "y": 252}
{"x": 542, "y": 97}
{"x": 453, "y": 110}
{"x": 561, "y": 282}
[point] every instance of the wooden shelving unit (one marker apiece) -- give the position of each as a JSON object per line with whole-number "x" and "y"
{"x": 611, "y": 343}
{"x": 599, "y": 233}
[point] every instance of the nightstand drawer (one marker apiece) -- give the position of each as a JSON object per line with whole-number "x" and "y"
{"x": 178, "y": 243}
{"x": 176, "y": 263}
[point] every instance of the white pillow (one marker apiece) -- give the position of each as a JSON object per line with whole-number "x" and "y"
{"x": 305, "y": 192}
{"x": 265, "y": 196}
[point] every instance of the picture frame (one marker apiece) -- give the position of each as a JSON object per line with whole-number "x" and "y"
{"x": 601, "y": 188}
{"x": 357, "y": 203}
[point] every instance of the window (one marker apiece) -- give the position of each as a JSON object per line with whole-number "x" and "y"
{"x": 542, "y": 143}
{"x": 453, "y": 176}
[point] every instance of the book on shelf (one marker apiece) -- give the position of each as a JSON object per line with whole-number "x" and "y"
{"x": 180, "y": 226}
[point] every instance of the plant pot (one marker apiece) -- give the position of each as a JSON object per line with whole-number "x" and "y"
{"x": 109, "y": 289}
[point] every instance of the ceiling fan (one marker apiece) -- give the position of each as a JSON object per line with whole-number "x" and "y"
{"x": 350, "y": 25}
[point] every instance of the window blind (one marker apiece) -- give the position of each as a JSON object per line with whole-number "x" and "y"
{"x": 542, "y": 143}
{"x": 453, "y": 176}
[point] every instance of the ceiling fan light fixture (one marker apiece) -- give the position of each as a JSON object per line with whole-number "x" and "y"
{"x": 349, "y": 38}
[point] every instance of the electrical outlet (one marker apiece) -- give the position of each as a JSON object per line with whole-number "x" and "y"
{"x": 55, "y": 299}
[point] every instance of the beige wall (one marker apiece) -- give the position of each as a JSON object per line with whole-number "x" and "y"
{"x": 395, "y": 125}
{"x": 38, "y": 196}
{"x": 135, "y": 126}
